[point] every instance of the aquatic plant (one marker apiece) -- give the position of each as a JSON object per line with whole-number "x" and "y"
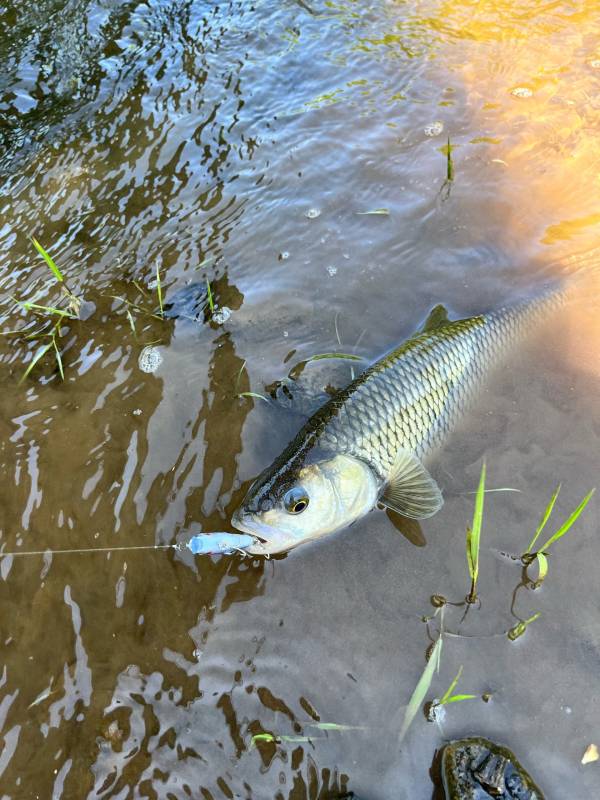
{"x": 448, "y": 697}
{"x": 420, "y": 692}
{"x": 51, "y": 328}
{"x": 376, "y": 212}
{"x": 74, "y": 302}
{"x": 246, "y": 394}
{"x": 263, "y": 736}
{"x": 211, "y": 302}
{"x": 298, "y": 368}
{"x": 474, "y": 537}
{"x": 539, "y": 556}
{"x": 159, "y": 293}
{"x": 449, "y": 162}
{"x": 520, "y": 628}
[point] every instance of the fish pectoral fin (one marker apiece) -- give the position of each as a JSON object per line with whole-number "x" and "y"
{"x": 410, "y": 490}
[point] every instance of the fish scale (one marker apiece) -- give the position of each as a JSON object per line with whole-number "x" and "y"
{"x": 412, "y": 397}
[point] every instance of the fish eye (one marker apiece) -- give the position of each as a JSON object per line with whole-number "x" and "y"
{"x": 296, "y": 500}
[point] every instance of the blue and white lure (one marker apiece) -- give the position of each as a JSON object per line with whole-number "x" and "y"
{"x": 220, "y": 543}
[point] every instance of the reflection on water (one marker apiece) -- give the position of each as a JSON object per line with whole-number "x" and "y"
{"x": 195, "y": 138}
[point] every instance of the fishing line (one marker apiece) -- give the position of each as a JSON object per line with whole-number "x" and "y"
{"x": 48, "y": 551}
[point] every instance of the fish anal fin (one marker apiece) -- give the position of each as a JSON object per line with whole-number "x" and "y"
{"x": 410, "y": 490}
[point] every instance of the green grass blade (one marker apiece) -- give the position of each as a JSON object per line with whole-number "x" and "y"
{"x": 130, "y": 319}
{"x": 381, "y": 212}
{"x": 418, "y": 696}
{"x": 58, "y": 358}
{"x": 449, "y": 161}
{"x": 569, "y": 522}
{"x": 457, "y": 698}
{"x": 262, "y": 737}
{"x": 544, "y": 519}
{"x": 542, "y": 565}
{"x": 239, "y": 376}
{"x": 159, "y": 292}
{"x": 519, "y": 629}
{"x": 140, "y": 289}
{"x": 321, "y": 356}
{"x": 42, "y": 350}
{"x": 211, "y": 302}
{"x": 48, "y": 259}
{"x": 36, "y": 307}
{"x": 333, "y": 726}
{"x": 452, "y": 686}
{"x": 474, "y": 532}
{"x": 253, "y": 394}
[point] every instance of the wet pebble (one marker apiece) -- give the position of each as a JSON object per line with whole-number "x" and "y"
{"x": 221, "y": 315}
{"x": 434, "y": 128}
{"x": 521, "y": 91}
{"x": 150, "y": 359}
{"x": 312, "y": 213}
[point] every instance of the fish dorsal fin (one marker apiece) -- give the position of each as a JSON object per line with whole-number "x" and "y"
{"x": 438, "y": 317}
{"x": 410, "y": 489}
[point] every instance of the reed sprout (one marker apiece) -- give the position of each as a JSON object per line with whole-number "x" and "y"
{"x": 474, "y": 537}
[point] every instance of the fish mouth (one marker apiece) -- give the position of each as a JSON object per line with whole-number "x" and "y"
{"x": 243, "y": 522}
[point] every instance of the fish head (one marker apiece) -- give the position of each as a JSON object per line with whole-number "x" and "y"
{"x": 287, "y": 508}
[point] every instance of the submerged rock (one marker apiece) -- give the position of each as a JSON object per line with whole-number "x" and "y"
{"x": 477, "y": 769}
{"x": 150, "y": 359}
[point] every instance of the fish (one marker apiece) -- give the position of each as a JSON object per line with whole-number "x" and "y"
{"x": 367, "y": 445}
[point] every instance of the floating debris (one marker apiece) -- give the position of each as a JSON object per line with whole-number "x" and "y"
{"x": 150, "y": 359}
{"x": 221, "y": 315}
{"x": 591, "y": 754}
{"x": 312, "y": 213}
{"x": 434, "y": 128}
{"x": 332, "y": 270}
{"x": 283, "y": 256}
{"x": 595, "y": 63}
{"x": 521, "y": 91}
{"x": 380, "y": 212}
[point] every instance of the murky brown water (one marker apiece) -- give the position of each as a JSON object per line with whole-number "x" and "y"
{"x": 196, "y": 137}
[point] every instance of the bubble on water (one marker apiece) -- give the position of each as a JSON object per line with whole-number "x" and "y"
{"x": 521, "y": 91}
{"x": 434, "y": 128}
{"x": 595, "y": 63}
{"x": 332, "y": 270}
{"x": 221, "y": 315}
{"x": 150, "y": 359}
{"x": 312, "y": 213}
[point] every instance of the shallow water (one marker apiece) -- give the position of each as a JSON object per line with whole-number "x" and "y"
{"x": 197, "y": 138}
